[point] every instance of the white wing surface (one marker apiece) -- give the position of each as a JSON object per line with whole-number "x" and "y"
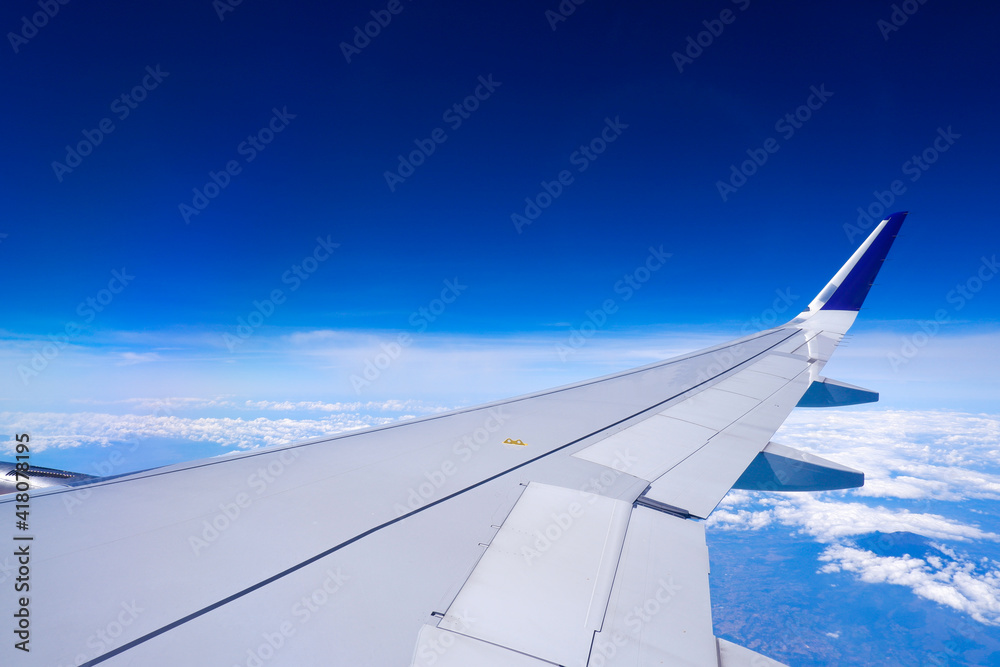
{"x": 559, "y": 528}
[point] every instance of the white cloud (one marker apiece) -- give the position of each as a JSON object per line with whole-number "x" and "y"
{"x": 164, "y": 405}
{"x": 319, "y": 406}
{"x": 740, "y": 519}
{"x": 954, "y": 583}
{"x": 828, "y": 521}
{"x": 131, "y": 358}
{"x": 936, "y": 455}
{"x": 62, "y": 430}
{"x": 915, "y": 457}
{"x": 446, "y": 368}
{"x": 172, "y": 404}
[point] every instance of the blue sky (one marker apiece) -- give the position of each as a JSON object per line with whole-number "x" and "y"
{"x": 248, "y": 206}
{"x": 323, "y": 174}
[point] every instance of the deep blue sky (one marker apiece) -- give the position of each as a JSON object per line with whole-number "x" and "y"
{"x": 323, "y": 175}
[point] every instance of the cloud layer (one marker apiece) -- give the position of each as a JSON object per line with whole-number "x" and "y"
{"x": 447, "y": 368}
{"x": 83, "y": 429}
{"x": 956, "y": 582}
{"x": 922, "y": 471}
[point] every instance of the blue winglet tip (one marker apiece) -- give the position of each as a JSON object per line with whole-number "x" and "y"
{"x": 851, "y": 292}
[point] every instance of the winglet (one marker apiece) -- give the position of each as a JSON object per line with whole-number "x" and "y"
{"x": 848, "y": 289}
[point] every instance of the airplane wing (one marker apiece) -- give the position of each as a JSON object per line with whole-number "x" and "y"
{"x": 558, "y": 528}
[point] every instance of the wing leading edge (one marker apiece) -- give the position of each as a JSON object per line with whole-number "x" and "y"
{"x": 432, "y": 542}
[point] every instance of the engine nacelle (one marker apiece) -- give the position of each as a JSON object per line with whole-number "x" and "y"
{"x": 37, "y": 477}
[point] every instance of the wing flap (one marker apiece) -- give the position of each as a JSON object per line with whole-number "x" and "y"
{"x": 694, "y": 451}
{"x": 659, "y": 611}
{"x": 543, "y": 583}
{"x": 649, "y": 448}
{"x": 753, "y": 383}
{"x": 712, "y": 408}
{"x": 734, "y": 655}
{"x": 699, "y": 483}
{"x": 443, "y": 648}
